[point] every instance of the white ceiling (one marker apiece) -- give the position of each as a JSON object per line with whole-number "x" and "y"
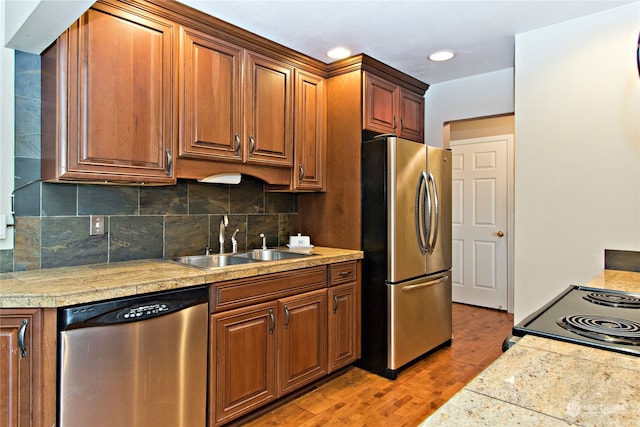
{"x": 402, "y": 33}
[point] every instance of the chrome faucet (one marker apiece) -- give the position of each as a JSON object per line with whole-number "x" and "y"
{"x": 264, "y": 241}
{"x": 234, "y": 242}
{"x": 223, "y": 224}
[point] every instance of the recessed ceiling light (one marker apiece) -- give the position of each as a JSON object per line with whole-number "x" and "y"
{"x": 441, "y": 55}
{"x": 339, "y": 53}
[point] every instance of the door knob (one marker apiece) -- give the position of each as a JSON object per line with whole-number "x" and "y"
{"x": 500, "y": 233}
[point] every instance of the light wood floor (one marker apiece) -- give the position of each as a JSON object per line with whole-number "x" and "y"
{"x": 359, "y": 398}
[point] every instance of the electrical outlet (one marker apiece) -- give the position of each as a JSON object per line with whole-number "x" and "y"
{"x": 96, "y": 225}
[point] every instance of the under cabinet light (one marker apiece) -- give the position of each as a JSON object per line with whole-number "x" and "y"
{"x": 223, "y": 178}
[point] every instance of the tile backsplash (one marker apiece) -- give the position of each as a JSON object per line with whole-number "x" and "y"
{"x": 52, "y": 219}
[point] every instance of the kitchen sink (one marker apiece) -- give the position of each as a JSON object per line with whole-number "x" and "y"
{"x": 269, "y": 255}
{"x": 224, "y": 260}
{"x": 213, "y": 261}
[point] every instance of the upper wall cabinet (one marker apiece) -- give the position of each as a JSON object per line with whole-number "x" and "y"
{"x": 357, "y": 108}
{"x": 309, "y": 145}
{"x": 269, "y": 111}
{"x": 148, "y": 91}
{"x": 390, "y": 108}
{"x": 108, "y": 99}
{"x": 310, "y": 133}
{"x": 210, "y": 97}
{"x": 213, "y": 123}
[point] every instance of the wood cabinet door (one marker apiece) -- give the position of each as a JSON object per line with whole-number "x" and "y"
{"x": 210, "y": 97}
{"x": 268, "y": 136}
{"x": 411, "y": 116}
{"x": 389, "y": 108}
{"x": 121, "y": 94}
{"x": 19, "y": 390}
{"x": 302, "y": 340}
{"x": 342, "y": 325}
{"x": 309, "y": 135}
{"x": 380, "y": 105}
{"x": 242, "y": 361}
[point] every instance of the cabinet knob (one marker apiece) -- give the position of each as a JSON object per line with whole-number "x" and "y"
{"x": 300, "y": 173}
{"x": 500, "y": 233}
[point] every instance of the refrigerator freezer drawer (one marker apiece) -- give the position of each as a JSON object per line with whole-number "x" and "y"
{"x": 419, "y": 317}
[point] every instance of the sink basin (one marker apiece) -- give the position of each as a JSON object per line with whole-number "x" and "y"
{"x": 213, "y": 261}
{"x": 269, "y": 255}
{"x": 224, "y": 260}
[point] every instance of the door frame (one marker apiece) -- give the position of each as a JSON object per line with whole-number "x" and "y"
{"x": 510, "y": 202}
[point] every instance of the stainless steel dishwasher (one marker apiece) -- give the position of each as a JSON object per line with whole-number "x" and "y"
{"x": 136, "y": 362}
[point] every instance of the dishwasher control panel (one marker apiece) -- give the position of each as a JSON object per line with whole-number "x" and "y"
{"x": 130, "y": 309}
{"x": 145, "y": 310}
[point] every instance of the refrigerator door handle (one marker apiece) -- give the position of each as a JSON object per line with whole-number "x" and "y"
{"x": 423, "y": 285}
{"x": 426, "y": 219}
{"x": 422, "y": 232}
{"x": 431, "y": 245}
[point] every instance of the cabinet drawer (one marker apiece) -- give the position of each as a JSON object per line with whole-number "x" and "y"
{"x": 343, "y": 272}
{"x": 237, "y": 293}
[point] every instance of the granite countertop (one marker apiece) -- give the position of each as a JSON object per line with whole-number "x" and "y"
{"x": 618, "y": 280}
{"x": 545, "y": 382}
{"x": 58, "y": 287}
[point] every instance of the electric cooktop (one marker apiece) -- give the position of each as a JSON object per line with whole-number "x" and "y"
{"x": 599, "y": 318}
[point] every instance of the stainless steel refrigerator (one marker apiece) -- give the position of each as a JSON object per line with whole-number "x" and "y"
{"x": 406, "y": 231}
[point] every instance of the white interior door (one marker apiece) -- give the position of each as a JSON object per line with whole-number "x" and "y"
{"x": 480, "y": 223}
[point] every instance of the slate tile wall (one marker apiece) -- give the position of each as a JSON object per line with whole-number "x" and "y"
{"x": 52, "y": 220}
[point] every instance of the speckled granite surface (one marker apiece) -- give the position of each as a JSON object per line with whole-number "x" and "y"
{"x": 543, "y": 382}
{"x": 615, "y": 279}
{"x": 58, "y": 287}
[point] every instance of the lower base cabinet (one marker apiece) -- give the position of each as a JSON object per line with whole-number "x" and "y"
{"x": 266, "y": 350}
{"x": 243, "y": 360}
{"x": 27, "y": 367}
{"x": 302, "y": 340}
{"x": 343, "y": 326}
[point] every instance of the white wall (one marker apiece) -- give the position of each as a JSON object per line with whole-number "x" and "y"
{"x": 577, "y": 121}
{"x": 477, "y": 96}
{"x": 6, "y": 136}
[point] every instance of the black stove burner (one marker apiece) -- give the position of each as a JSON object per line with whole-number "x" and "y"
{"x": 603, "y": 328}
{"x": 611, "y": 299}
